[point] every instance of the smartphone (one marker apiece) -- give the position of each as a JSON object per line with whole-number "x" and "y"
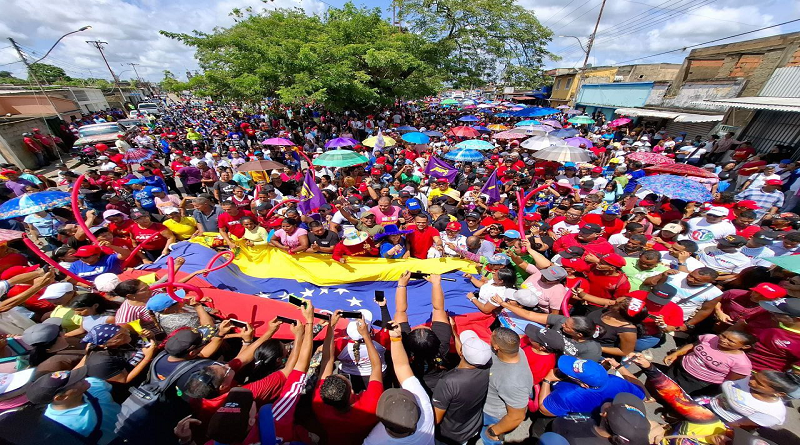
{"x": 237, "y": 323}
{"x": 352, "y": 314}
{"x": 418, "y": 275}
{"x": 380, "y": 324}
{"x": 322, "y": 316}
{"x": 286, "y": 319}
{"x": 297, "y": 301}
{"x": 379, "y": 296}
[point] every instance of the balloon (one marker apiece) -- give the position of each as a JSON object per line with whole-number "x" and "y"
{"x": 210, "y": 266}
{"x": 521, "y": 206}
{"x": 35, "y": 249}
{"x": 171, "y": 284}
{"x": 76, "y": 210}
{"x": 137, "y": 249}
{"x": 101, "y": 147}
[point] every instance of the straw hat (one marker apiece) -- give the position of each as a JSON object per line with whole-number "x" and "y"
{"x": 352, "y": 237}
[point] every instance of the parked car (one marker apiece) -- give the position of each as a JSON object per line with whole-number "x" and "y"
{"x": 105, "y": 133}
{"x": 150, "y": 108}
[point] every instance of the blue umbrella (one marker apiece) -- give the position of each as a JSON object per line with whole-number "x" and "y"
{"x": 469, "y": 118}
{"x": 676, "y": 187}
{"x": 475, "y": 144}
{"x": 416, "y": 138}
{"x": 30, "y": 203}
{"x": 433, "y": 134}
{"x": 607, "y": 136}
{"x": 502, "y": 115}
{"x": 482, "y": 128}
{"x": 527, "y": 122}
{"x": 534, "y": 112}
{"x": 464, "y": 155}
{"x": 405, "y": 129}
{"x": 565, "y": 133}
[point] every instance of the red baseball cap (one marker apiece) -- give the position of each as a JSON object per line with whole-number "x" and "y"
{"x": 442, "y": 180}
{"x": 87, "y": 251}
{"x": 597, "y": 170}
{"x": 536, "y": 216}
{"x": 614, "y": 260}
{"x": 16, "y": 270}
{"x": 575, "y": 263}
{"x": 773, "y": 182}
{"x": 499, "y": 208}
{"x": 375, "y": 171}
{"x": 769, "y": 290}
{"x": 452, "y": 225}
{"x": 748, "y": 204}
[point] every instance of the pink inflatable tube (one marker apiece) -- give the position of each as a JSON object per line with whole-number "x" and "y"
{"x": 76, "y": 210}
{"x": 171, "y": 284}
{"x": 210, "y": 266}
{"x": 35, "y": 249}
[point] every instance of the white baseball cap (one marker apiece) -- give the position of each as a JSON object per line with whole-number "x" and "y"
{"x": 56, "y": 291}
{"x": 106, "y": 282}
{"x": 525, "y": 297}
{"x": 475, "y": 351}
{"x": 718, "y": 211}
{"x": 352, "y": 327}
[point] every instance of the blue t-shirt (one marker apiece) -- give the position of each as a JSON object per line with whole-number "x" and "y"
{"x": 465, "y": 230}
{"x": 385, "y": 247}
{"x": 635, "y": 176}
{"x": 568, "y": 397}
{"x": 82, "y": 419}
{"x": 106, "y": 264}
{"x": 145, "y": 198}
{"x": 155, "y": 181}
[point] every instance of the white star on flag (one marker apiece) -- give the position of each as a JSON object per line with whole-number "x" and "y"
{"x": 263, "y": 294}
{"x": 323, "y": 290}
{"x": 285, "y": 296}
{"x": 354, "y": 302}
{"x": 341, "y": 291}
{"x": 307, "y": 293}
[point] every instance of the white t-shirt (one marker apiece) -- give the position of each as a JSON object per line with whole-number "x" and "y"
{"x": 490, "y": 289}
{"x": 736, "y": 403}
{"x": 758, "y": 179}
{"x": 348, "y": 364}
{"x": 690, "y": 298}
{"x": 617, "y": 239}
{"x": 724, "y": 262}
{"x": 705, "y": 234}
{"x": 425, "y": 424}
{"x": 691, "y": 263}
{"x": 757, "y": 255}
{"x": 560, "y": 226}
{"x": 460, "y": 241}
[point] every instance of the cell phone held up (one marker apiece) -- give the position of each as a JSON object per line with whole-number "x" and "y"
{"x": 285, "y": 319}
{"x": 351, "y": 314}
{"x": 379, "y": 296}
{"x": 237, "y": 323}
{"x": 297, "y": 301}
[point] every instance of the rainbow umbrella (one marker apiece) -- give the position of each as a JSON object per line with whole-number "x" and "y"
{"x": 30, "y": 203}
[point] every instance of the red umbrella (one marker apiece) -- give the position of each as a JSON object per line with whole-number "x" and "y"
{"x": 646, "y": 157}
{"x": 681, "y": 170}
{"x": 464, "y": 132}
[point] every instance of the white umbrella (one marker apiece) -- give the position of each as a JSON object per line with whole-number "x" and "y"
{"x": 540, "y": 142}
{"x": 563, "y": 153}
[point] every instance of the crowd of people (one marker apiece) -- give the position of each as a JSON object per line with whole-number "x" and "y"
{"x": 579, "y": 289}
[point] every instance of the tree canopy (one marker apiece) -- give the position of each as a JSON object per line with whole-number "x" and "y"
{"x": 48, "y": 73}
{"x": 485, "y": 40}
{"x": 348, "y": 58}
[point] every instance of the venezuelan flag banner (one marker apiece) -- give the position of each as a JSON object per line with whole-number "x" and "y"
{"x": 271, "y": 273}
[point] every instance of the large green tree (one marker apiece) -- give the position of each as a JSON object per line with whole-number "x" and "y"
{"x": 485, "y": 40}
{"x": 347, "y": 58}
{"x": 48, "y": 73}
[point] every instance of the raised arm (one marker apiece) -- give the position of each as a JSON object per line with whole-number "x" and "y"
{"x": 327, "y": 348}
{"x": 299, "y": 331}
{"x": 401, "y": 298}
{"x": 376, "y": 374}
{"x": 246, "y": 354}
{"x": 524, "y": 313}
{"x": 437, "y": 298}
{"x": 307, "y": 348}
{"x": 402, "y": 368}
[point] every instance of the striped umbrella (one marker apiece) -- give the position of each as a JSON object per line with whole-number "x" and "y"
{"x": 340, "y": 158}
{"x": 464, "y": 155}
{"x": 31, "y": 203}
{"x": 464, "y": 132}
{"x": 563, "y": 153}
{"x": 476, "y": 144}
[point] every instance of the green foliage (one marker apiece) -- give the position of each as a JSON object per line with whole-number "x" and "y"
{"x": 5, "y": 74}
{"x": 485, "y": 40}
{"x": 348, "y": 58}
{"x": 48, "y": 73}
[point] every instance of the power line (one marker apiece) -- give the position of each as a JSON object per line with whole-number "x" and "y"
{"x": 696, "y": 15}
{"x": 557, "y": 12}
{"x": 710, "y": 41}
{"x": 553, "y": 26}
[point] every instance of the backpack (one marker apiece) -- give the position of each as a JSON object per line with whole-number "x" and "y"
{"x": 154, "y": 408}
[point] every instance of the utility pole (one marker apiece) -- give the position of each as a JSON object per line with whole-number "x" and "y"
{"x": 133, "y": 65}
{"x": 99, "y": 45}
{"x": 588, "y": 50}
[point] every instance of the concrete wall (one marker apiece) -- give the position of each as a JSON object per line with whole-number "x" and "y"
{"x": 648, "y": 73}
{"x": 35, "y": 105}
{"x": 699, "y": 91}
{"x": 11, "y": 148}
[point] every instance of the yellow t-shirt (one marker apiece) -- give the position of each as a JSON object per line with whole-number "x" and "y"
{"x": 437, "y": 192}
{"x": 69, "y": 319}
{"x": 259, "y": 176}
{"x": 183, "y": 229}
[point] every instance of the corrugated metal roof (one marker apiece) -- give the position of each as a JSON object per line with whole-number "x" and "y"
{"x": 784, "y": 82}
{"x": 791, "y": 104}
{"x": 691, "y": 117}
{"x": 644, "y": 112}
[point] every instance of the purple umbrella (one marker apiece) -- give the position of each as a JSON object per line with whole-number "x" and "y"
{"x": 341, "y": 142}
{"x": 553, "y": 123}
{"x": 577, "y": 141}
{"x": 277, "y": 141}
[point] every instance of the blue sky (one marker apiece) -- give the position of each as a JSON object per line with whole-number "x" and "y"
{"x": 629, "y": 30}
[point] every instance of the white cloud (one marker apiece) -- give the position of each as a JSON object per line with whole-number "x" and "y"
{"x": 129, "y": 26}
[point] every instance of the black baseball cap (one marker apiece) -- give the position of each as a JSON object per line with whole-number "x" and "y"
{"x": 732, "y": 241}
{"x": 627, "y": 418}
{"x": 784, "y": 306}
{"x": 404, "y": 194}
{"x": 662, "y": 294}
{"x": 590, "y": 229}
{"x": 764, "y": 237}
{"x": 474, "y": 215}
{"x": 182, "y": 342}
{"x": 46, "y": 387}
{"x": 573, "y": 252}
{"x": 398, "y": 412}
{"x": 104, "y": 366}
{"x": 550, "y": 339}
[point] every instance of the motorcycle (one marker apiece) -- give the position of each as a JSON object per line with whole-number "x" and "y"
{"x": 87, "y": 156}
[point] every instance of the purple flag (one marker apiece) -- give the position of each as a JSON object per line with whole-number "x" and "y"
{"x": 310, "y": 196}
{"x": 492, "y": 188}
{"x": 440, "y": 169}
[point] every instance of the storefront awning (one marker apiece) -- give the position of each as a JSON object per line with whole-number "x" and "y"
{"x": 791, "y": 104}
{"x": 675, "y": 115}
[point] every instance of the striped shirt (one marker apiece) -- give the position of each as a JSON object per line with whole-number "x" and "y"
{"x": 764, "y": 200}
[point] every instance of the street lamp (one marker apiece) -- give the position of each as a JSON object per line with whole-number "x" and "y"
{"x": 579, "y": 42}
{"x": 85, "y": 28}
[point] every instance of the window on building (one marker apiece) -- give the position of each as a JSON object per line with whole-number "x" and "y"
{"x": 569, "y": 84}
{"x": 558, "y": 85}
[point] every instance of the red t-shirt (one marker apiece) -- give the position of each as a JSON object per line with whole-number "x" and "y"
{"x": 742, "y": 153}
{"x": 608, "y": 286}
{"x": 507, "y": 224}
{"x": 421, "y": 241}
{"x": 141, "y": 235}
{"x": 748, "y": 231}
{"x": 353, "y": 426}
{"x": 117, "y": 158}
{"x": 597, "y": 247}
{"x": 232, "y": 224}
{"x": 33, "y": 303}
{"x": 777, "y": 349}
{"x": 540, "y": 364}
{"x": 609, "y": 227}
{"x": 264, "y": 391}
{"x": 122, "y": 229}
{"x": 671, "y": 312}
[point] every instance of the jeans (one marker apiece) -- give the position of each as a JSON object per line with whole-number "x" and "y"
{"x": 646, "y": 342}
{"x": 488, "y": 421}
{"x": 40, "y": 159}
